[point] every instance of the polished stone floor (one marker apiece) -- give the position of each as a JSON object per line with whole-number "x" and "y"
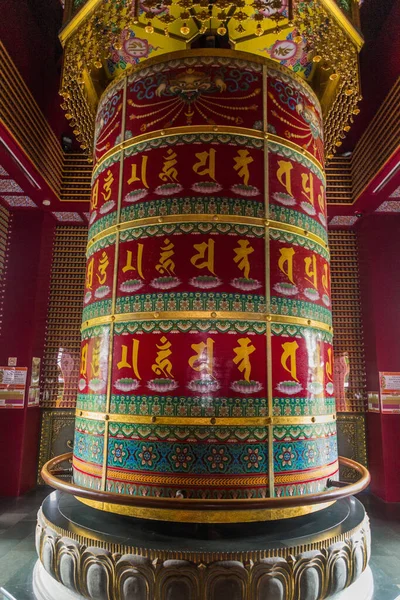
{"x": 17, "y": 550}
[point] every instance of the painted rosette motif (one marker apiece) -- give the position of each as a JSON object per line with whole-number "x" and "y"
{"x": 207, "y": 366}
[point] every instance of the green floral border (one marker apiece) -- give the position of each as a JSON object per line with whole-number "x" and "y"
{"x": 90, "y": 426}
{"x": 96, "y": 331}
{"x": 188, "y": 406}
{"x": 284, "y": 433}
{"x": 91, "y": 402}
{"x": 299, "y": 308}
{"x": 203, "y": 326}
{"x": 184, "y": 301}
{"x": 293, "y": 217}
{"x": 182, "y": 406}
{"x": 104, "y": 242}
{"x": 102, "y": 224}
{"x": 192, "y": 301}
{"x": 298, "y": 331}
{"x": 207, "y": 406}
{"x": 186, "y": 326}
{"x": 97, "y": 309}
{"x": 299, "y": 240}
{"x": 301, "y": 407}
{"x": 194, "y": 205}
{"x": 189, "y": 228}
{"x": 193, "y": 138}
{"x": 187, "y": 433}
{"x": 98, "y": 170}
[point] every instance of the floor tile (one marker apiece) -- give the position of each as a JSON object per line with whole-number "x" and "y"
{"x": 19, "y": 531}
{"x": 5, "y": 547}
{"x": 8, "y": 519}
{"x": 384, "y": 589}
{"x": 14, "y": 564}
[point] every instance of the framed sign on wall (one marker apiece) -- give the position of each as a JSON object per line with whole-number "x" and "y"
{"x": 389, "y": 383}
{"x": 12, "y": 387}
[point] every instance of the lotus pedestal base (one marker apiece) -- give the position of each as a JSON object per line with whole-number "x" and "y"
{"x": 85, "y": 553}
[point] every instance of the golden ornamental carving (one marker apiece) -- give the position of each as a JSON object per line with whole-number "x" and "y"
{"x": 105, "y": 28}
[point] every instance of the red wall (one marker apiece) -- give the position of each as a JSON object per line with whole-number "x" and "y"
{"x": 379, "y": 243}
{"x": 25, "y": 309}
{"x": 29, "y": 31}
{"x": 379, "y": 62}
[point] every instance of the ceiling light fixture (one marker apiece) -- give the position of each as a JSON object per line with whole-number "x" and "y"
{"x": 386, "y": 179}
{"x": 30, "y": 177}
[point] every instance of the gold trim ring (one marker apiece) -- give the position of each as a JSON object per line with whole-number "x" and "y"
{"x": 200, "y": 516}
{"x": 208, "y": 510}
{"x": 207, "y": 421}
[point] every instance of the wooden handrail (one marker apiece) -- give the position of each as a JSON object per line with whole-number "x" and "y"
{"x": 48, "y": 475}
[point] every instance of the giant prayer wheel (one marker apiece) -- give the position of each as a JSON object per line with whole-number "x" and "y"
{"x": 206, "y": 368}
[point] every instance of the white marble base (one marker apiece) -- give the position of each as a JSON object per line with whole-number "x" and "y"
{"x": 47, "y": 588}
{"x": 362, "y": 589}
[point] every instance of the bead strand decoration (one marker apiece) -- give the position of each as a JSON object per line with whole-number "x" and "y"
{"x": 347, "y": 318}
{"x": 5, "y": 224}
{"x": 62, "y": 345}
{"x": 309, "y": 23}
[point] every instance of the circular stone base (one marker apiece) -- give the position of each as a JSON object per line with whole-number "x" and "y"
{"x": 85, "y": 553}
{"x": 47, "y": 588}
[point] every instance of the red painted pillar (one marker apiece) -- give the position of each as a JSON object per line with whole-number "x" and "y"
{"x": 25, "y": 310}
{"x": 379, "y": 243}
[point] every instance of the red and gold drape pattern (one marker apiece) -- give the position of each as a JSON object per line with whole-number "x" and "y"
{"x": 206, "y": 362}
